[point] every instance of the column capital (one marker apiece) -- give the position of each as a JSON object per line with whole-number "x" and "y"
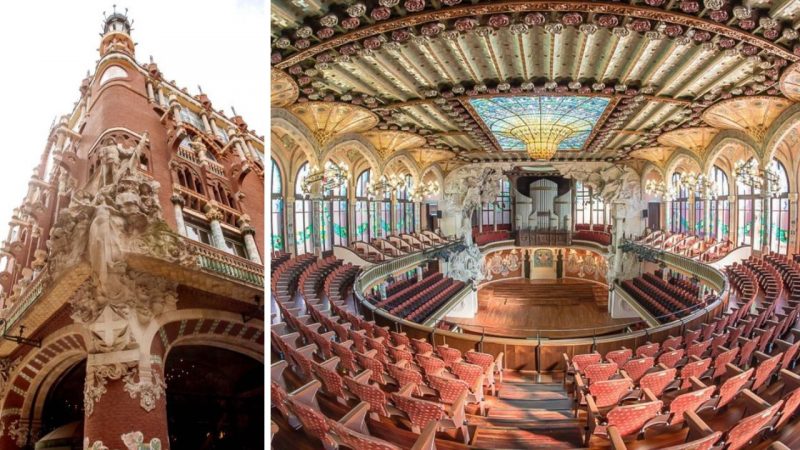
{"x": 213, "y": 213}
{"x": 244, "y": 225}
{"x": 177, "y": 200}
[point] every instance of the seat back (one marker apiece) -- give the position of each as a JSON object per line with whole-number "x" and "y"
{"x": 732, "y": 386}
{"x": 370, "y": 394}
{"x": 581, "y": 361}
{"x": 467, "y": 372}
{"x": 741, "y": 434}
{"x": 671, "y": 358}
{"x": 619, "y": 357}
{"x": 636, "y": 368}
{"x": 355, "y": 440}
{"x": 658, "y": 381}
{"x": 600, "y": 372}
{"x": 765, "y": 369}
{"x": 420, "y": 412}
{"x": 630, "y": 419}
{"x": 693, "y": 369}
{"x": 608, "y": 393}
{"x": 313, "y": 421}
{"x": 790, "y": 404}
{"x": 689, "y": 401}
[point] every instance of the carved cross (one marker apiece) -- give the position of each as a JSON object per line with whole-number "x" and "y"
{"x": 110, "y": 330}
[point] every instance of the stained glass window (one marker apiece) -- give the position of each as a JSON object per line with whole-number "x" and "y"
{"x": 748, "y": 208}
{"x": 276, "y": 224}
{"x": 583, "y": 203}
{"x": 779, "y": 211}
{"x": 720, "y": 208}
{"x": 303, "y": 226}
{"x": 552, "y": 121}
{"x": 680, "y": 206}
{"x": 362, "y": 208}
{"x": 187, "y": 115}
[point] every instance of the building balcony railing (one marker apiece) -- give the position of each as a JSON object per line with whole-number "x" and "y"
{"x": 222, "y": 263}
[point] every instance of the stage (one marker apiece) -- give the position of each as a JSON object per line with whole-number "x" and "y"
{"x": 559, "y": 308}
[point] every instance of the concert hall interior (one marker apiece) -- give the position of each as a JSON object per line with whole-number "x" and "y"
{"x": 535, "y": 225}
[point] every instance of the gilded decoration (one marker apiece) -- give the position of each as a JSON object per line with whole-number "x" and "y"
{"x": 694, "y": 139}
{"x": 790, "y": 82}
{"x": 387, "y": 142}
{"x": 752, "y": 115}
{"x": 327, "y": 120}
{"x": 283, "y": 90}
{"x": 656, "y": 155}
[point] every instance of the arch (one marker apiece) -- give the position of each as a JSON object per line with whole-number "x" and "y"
{"x": 37, "y": 368}
{"x": 723, "y": 142}
{"x": 678, "y": 158}
{"x": 353, "y": 141}
{"x": 220, "y": 328}
{"x": 283, "y": 123}
{"x": 404, "y": 159}
{"x": 785, "y": 126}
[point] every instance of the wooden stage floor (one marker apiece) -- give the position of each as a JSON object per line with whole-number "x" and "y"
{"x": 560, "y": 308}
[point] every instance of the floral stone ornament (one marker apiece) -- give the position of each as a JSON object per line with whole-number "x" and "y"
{"x": 132, "y": 441}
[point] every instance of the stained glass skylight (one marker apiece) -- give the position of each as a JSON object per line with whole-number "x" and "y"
{"x": 540, "y": 123}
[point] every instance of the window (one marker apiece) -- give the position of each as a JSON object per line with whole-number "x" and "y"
{"x": 111, "y": 73}
{"x": 779, "y": 211}
{"x": 334, "y": 215}
{"x": 720, "y": 208}
{"x": 276, "y": 223}
{"x": 404, "y": 208}
{"x": 600, "y": 214}
{"x": 583, "y": 203}
{"x": 235, "y": 247}
{"x": 680, "y": 206}
{"x": 749, "y": 208}
{"x": 303, "y": 241}
{"x": 362, "y": 207}
{"x": 191, "y": 117}
{"x": 198, "y": 232}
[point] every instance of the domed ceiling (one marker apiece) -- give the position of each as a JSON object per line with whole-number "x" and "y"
{"x": 459, "y": 72}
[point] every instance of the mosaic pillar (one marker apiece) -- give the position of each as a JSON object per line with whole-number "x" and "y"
{"x": 792, "y": 245}
{"x": 248, "y": 233}
{"x": 214, "y": 216}
{"x": 121, "y": 400}
{"x": 177, "y": 204}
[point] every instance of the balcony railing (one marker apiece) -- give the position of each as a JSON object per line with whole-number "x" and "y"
{"x": 219, "y": 262}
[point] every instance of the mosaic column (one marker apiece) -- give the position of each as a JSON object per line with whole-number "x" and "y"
{"x": 316, "y": 223}
{"x": 177, "y": 204}
{"x": 214, "y": 216}
{"x": 792, "y": 245}
{"x": 121, "y": 398}
{"x": 249, "y": 232}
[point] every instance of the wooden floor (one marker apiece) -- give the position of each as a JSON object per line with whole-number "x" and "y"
{"x": 561, "y": 308}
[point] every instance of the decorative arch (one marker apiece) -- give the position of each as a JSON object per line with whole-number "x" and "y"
{"x": 785, "y": 126}
{"x": 678, "y": 157}
{"x": 286, "y": 124}
{"x": 205, "y": 327}
{"x": 353, "y": 141}
{"x": 723, "y": 142}
{"x": 409, "y": 163}
{"x": 40, "y": 368}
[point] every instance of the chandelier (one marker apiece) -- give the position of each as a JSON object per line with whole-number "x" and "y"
{"x": 700, "y": 185}
{"x": 541, "y": 139}
{"x": 332, "y": 177}
{"x": 659, "y": 189}
{"x": 379, "y": 188}
{"x": 422, "y": 190}
{"x": 748, "y": 174}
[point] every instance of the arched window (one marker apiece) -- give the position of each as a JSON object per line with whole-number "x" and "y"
{"x": 404, "y": 208}
{"x": 304, "y": 232}
{"x": 498, "y": 213}
{"x": 362, "y": 207}
{"x": 749, "y": 207}
{"x": 779, "y": 211}
{"x": 680, "y": 206}
{"x": 276, "y": 223}
{"x": 334, "y": 215}
{"x": 720, "y": 207}
{"x": 583, "y": 203}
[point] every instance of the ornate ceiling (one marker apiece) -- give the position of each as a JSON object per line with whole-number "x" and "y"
{"x": 423, "y": 66}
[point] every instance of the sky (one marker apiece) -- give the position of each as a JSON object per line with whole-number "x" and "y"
{"x": 46, "y": 48}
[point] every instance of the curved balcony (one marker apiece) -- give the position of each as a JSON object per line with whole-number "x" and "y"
{"x": 534, "y": 352}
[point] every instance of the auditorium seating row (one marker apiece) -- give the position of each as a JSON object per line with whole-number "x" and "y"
{"x": 491, "y": 236}
{"x": 346, "y": 381}
{"x": 707, "y": 249}
{"x": 277, "y": 259}
{"x": 393, "y": 246}
{"x": 593, "y": 227}
{"x": 741, "y": 356}
{"x": 601, "y": 237}
{"x": 665, "y": 301}
{"x": 284, "y": 279}
{"x": 339, "y": 354}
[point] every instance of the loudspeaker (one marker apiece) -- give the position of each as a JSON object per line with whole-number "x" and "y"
{"x": 439, "y": 214}
{"x": 644, "y": 214}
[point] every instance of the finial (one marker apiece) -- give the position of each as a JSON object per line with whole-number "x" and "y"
{"x": 200, "y": 88}
{"x": 151, "y": 59}
{"x": 115, "y": 8}
{"x": 234, "y": 111}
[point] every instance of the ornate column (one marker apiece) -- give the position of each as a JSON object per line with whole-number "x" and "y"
{"x": 707, "y": 214}
{"x": 316, "y": 222}
{"x": 175, "y": 107}
{"x": 248, "y": 232}
{"x": 792, "y": 245}
{"x": 214, "y": 216}
{"x": 691, "y": 226}
{"x": 150, "y": 93}
{"x": 177, "y": 204}
{"x": 733, "y": 226}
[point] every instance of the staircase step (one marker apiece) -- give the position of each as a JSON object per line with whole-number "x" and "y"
{"x": 517, "y": 438}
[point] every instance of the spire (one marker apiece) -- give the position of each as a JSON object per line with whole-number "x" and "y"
{"x": 117, "y": 33}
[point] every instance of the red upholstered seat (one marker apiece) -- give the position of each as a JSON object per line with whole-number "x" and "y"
{"x": 657, "y": 382}
{"x": 581, "y": 361}
{"x": 636, "y": 368}
{"x": 689, "y": 401}
{"x": 741, "y": 434}
{"x": 370, "y": 394}
{"x": 608, "y": 393}
{"x": 647, "y": 350}
{"x": 693, "y": 369}
{"x": 314, "y": 422}
{"x": 671, "y": 358}
{"x": 448, "y": 354}
{"x": 629, "y": 419}
{"x": 764, "y": 371}
{"x": 619, "y": 357}
{"x": 599, "y": 372}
